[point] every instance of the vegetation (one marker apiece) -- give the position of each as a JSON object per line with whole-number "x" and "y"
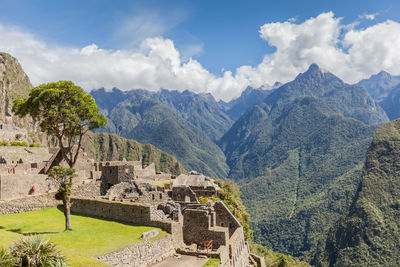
{"x": 369, "y": 234}
{"x": 18, "y": 136}
{"x": 32, "y": 251}
{"x": 212, "y": 262}
{"x": 273, "y": 259}
{"x": 148, "y": 120}
{"x": 33, "y": 144}
{"x": 91, "y": 236}
{"x": 298, "y": 159}
{"x": 63, "y": 178}
{"x": 64, "y": 111}
{"x": 3, "y": 143}
{"x": 106, "y": 147}
{"x": 18, "y": 143}
{"x": 5, "y": 258}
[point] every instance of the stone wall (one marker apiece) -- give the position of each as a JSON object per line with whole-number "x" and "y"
{"x": 20, "y": 185}
{"x": 146, "y": 172}
{"x": 198, "y": 226}
{"x": 28, "y": 204}
{"x": 225, "y": 218}
{"x": 127, "y": 212}
{"x": 117, "y": 174}
{"x": 90, "y": 190}
{"x": 27, "y": 154}
{"x": 183, "y": 194}
{"x": 238, "y": 249}
{"x": 141, "y": 254}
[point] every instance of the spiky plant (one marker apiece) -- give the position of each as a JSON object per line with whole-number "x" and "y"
{"x": 35, "y": 251}
{"x": 5, "y": 258}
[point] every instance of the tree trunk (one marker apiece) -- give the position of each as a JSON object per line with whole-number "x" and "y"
{"x": 67, "y": 214}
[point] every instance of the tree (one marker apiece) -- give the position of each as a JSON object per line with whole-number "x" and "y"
{"x": 64, "y": 111}
{"x": 63, "y": 177}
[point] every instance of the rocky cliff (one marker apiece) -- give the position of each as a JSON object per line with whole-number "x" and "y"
{"x": 14, "y": 83}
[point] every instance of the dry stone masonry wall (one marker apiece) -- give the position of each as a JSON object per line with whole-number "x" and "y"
{"x": 141, "y": 254}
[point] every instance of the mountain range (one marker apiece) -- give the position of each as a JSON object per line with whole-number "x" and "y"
{"x": 385, "y": 89}
{"x": 297, "y": 152}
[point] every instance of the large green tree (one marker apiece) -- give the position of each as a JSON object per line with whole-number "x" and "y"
{"x": 64, "y": 111}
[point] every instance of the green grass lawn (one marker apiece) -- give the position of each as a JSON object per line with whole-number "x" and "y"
{"x": 90, "y": 236}
{"x": 212, "y": 262}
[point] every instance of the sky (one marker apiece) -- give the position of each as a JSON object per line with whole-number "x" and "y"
{"x": 218, "y": 47}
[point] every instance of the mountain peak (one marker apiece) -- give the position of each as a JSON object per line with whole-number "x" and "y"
{"x": 312, "y": 71}
{"x": 313, "y": 68}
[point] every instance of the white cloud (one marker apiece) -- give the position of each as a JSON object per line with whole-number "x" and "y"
{"x": 155, "y": 63}
{"x": 368, "y": 16}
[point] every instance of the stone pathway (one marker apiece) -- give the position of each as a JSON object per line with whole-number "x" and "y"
{"x": 183, "y": 261}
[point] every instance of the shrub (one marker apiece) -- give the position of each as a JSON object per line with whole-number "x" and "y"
{"x": 36, "y": 251}
{"x": 3, "y": 143}
{"x": 16, "y": 143}
{"x": 18, "y": 136}
{"x": 35, "y": 144}
{"x": 5, "y": 258}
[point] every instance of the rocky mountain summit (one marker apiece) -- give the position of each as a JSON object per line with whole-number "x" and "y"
{"x": 380, "y": 85}
{"x": 298, "y": 158}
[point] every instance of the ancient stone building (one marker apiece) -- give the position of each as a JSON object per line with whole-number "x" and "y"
{"x": 189, "y": 187}
{"x": 21, "y": 168}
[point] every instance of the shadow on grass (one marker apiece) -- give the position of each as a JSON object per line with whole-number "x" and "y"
{"x": 19, "y": 231}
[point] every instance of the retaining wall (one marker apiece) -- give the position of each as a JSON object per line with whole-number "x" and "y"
{"x": 19, "y": 185}
{"x": 126, "y": 212}
{"x": 141, "y": 254}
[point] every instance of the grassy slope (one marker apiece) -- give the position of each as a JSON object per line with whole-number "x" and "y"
{"x": 90, "y": 236}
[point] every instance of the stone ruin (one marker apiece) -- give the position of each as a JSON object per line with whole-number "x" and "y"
{"x": 131, "y": 192}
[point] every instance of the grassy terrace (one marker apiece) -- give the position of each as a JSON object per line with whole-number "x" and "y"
{"x": 90, "y": 236}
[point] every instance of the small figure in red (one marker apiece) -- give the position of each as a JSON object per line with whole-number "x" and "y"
{"x": 33, "y": 189}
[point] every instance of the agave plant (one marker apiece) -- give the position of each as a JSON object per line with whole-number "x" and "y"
{"x": 5, "y": 258}
{"x": 35, "y": 251}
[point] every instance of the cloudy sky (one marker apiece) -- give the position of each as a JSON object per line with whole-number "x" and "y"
{"x": 220, "y": 47}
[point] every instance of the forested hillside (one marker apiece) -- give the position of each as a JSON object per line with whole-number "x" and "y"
{"x": 148, "y": 120}
{"x": 298, "y": 158}
{"x": 369, "y": 234}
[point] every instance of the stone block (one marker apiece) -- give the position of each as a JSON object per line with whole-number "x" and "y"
{"x": 150, "y": 234}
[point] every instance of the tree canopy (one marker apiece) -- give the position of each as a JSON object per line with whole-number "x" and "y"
{"x": 63, "y": 110}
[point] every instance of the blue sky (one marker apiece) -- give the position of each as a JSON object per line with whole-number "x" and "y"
{"x": 219, "y": 35}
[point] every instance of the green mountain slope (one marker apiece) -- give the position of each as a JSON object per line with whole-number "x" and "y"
{"x": 201, "y": 110}
{"x": 297, "y": 157}
{"x": 149, "y": 121}
{"x": 247, "y": 100}
{"x": 257, "y": 132}
{"x": 313, "y": 171}
{"x": 369, "y": 235}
